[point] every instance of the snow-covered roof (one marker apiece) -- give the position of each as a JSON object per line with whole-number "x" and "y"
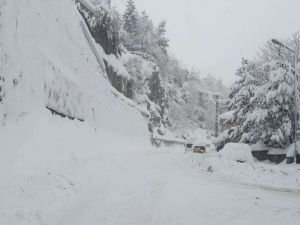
{"x": 277, "y": 151}
{"x": 259, "y": 146}
{"x": 227, "y": 115}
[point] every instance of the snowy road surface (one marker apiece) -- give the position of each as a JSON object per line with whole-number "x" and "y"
{"x": 89, "y": 178}
{"x": 155, "y": 187}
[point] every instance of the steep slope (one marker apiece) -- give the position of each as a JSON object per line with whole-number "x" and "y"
{"x": 47, "y": 62}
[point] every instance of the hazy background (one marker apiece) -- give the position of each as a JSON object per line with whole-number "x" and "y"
{"x": 213, "y": 35}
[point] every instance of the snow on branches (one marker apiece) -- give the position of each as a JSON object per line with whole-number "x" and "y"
{"x": 263, "y": 98}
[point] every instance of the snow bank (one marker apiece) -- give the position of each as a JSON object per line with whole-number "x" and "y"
{"x": 237, "y": 152}
{"x": 281, "y": 177}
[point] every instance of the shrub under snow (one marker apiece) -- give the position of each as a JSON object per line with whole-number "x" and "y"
{"x": 237, "y": 152}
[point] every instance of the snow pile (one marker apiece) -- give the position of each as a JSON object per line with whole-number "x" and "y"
{"x": 237, "y": 152}
{"x": 280, "y": 177}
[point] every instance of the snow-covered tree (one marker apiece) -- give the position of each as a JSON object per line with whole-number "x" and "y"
{"x": 130, "y": 17}
{"x": 162, "y": 41}
{"x": 130, "y": 20}
{"x": 272, "y": 119}
{"x": 146, "y": 33}
{"x": 242, "y": 91}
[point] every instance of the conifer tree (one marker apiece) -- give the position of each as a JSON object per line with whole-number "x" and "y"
{"x": 162, "y": 41}
{"x": 242, "y": 91}
{"x": 130, "y": 19}
{"x": 272, "y": 119}
{"x": 146, "y": 32}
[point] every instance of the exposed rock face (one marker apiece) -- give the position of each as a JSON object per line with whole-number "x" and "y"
{"x": 101, "y": 35}
{"x": 119, "y": 82}
{"x": 103, "y": 26}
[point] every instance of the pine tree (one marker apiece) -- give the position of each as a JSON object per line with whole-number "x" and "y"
{"x": 130, "y": 19}
{"x": 242, "y": 91}
{"x": 272, "y": 119}
{"x": 146, "y": 32}
{"x": 162, "y": 41}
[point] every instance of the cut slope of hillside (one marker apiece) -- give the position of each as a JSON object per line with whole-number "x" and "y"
{"x": 46, "y": 61}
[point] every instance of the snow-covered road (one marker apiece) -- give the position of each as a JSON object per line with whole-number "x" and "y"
{"x": 156, "y": 187}
{"x": 82, "y": 177}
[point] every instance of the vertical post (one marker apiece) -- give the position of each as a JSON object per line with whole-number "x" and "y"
{"x": 217, "y": 116}
{"x": 93, "y": 109}
{"x": 296, "y": 101}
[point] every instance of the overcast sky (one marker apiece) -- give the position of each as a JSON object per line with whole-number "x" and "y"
{"x": 213, "y": 35}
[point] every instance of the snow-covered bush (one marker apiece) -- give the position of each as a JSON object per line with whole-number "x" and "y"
{"x": 237, "y": 152}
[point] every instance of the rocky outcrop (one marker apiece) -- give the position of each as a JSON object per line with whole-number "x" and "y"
{"x": 104, "y": 27}
{"x": 119, "y": 82}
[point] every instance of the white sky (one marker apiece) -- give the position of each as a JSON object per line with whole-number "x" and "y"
{"x": 213, "y": 35}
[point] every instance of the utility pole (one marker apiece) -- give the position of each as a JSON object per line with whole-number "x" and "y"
{"x": 216, "y": 97}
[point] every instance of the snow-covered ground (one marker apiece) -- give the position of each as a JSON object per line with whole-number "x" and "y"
{"x": 64, "y": 172}
{"x": 266, "y": 175}
{"x": 55, "y": 171}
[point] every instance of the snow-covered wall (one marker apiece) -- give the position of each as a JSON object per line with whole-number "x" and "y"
{"x": 47, "y": 61}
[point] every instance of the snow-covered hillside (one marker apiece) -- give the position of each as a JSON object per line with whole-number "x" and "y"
{"x": 47, "y": 62}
